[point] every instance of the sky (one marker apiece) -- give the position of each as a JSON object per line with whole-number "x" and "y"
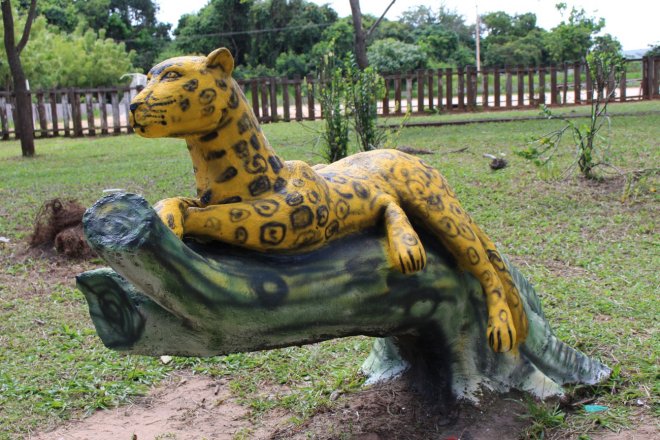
{"x": 633, "y": 22}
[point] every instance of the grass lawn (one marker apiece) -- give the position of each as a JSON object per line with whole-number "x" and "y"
{"x": 592, "y": 256}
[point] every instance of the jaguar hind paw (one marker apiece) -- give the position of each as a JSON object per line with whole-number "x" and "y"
{"x": 501, "y": 334}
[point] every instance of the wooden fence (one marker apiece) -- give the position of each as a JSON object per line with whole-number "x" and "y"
{"x": 104, "y": 111}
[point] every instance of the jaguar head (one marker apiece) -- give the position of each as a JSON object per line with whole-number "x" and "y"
{"x": 185, "y": 96}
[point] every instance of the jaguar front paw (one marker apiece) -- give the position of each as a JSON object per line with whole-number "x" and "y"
{"x": 408, "y": 254}
{"x": 171, "y": 212}
{"x": 501, "y": 333}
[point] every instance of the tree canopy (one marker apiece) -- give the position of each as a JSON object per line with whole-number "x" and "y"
{"x": 281, "y": 37}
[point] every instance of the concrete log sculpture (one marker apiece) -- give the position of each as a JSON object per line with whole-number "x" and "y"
{"x": 167, "y": 296}
{"x": 375, "y": 244}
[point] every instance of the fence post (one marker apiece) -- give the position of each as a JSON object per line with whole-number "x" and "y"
{"x": 589, "y": 85}
{"x": 397, "y": 94}
{"x": 4, "y": 122}
{"x": 53, "y": 113}
{"x": 450, "y": 90}
{"x": 76, "y": 114}
{"x": 114, "y": 100}
{"x": 484, "y": 92}
{"x": 542, "y": 85}
{"x": 273, "y": 100}
{"x": 263, "y": 88}
{"x": 104, "y": 111}
{"x": 656, "y": 76}
{"x": 298, "y": 97}
{"x": 41, "y": 112}
{"x": 127, "y": 108}
{"x": 577, "y": 82}
{"x": 530, "y": 84}
{"x": 521, "y": 86}
{"x": 386, "y": 96}
{"x": 420, "y": 91}
{"x": 509, "y": 88}
{"x": 310, "y": 98}
{"x": 429, "y": 75}
{"x": 622, "y": 86}
{"x": 553, "y": 85}
{"x": 440, "y": 89}
{"x": 89, "y": 106}
{"x": 65, "y": 113}
{"x": 409, "y": 88}
{"x": 461, "y": 88}
{"x": 496, "y": 87}
{"x": 286, "y": 102}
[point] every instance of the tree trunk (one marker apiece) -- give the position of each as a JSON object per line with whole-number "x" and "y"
{"x": 360, "y": 36}
{"x": 24, "y": 123}
{"x": 171, "y": 297}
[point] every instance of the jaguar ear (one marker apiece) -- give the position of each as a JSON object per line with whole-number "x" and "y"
{"x": 221, "y": 59}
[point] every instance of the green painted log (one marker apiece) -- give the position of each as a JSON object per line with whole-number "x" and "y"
{"x": 166, "y": 296}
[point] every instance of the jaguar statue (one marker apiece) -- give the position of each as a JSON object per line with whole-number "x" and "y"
{"x": 247, "y": 196}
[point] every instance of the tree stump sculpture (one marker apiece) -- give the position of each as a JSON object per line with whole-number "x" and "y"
{"x": 168, "y": 296}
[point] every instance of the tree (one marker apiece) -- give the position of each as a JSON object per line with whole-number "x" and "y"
{"x": 512, "y": 39}
{"x": 360, "y": 36}
{"x": 390, "y": 55}
{"x": 572, "y": 39}
{"x": 24, "y": 123}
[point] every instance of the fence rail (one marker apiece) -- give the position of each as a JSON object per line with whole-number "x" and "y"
{"x": 104, "y": 111}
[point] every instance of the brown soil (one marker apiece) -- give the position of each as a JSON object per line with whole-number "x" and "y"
{"x": 193, "y": 407}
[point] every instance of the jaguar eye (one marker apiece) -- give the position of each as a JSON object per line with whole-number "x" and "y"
{"x": 171, "y": 76}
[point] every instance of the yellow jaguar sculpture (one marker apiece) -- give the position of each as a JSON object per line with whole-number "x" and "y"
{"x": 247, "y": 196}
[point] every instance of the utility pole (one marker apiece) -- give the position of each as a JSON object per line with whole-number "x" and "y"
{"x": 477, "y": 32}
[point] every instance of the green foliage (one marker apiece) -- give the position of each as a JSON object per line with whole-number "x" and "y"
{"x": 390, "y": 55}
{"x": 80, "y": 59}
{"x": 364, "y": 89}
{"x": 572, "y": 39}
{"x": 605, "y": 68}
{"x": 333, "y": 99}
{"x": 654, "y": 51}
{"x": 512, "y": 40}
{"x": 290, "y": 64}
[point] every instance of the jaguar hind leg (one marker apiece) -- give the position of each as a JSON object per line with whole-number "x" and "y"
{"x": 511, "y": 292}
{"x": 405, "y": 247}
{"x": 172, "y": 212}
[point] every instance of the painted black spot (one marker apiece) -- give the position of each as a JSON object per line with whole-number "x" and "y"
{"x": 270, "y": 289}
{"x": 343, "y": 194}
{"x": 209, "y": 137}
{"x": 473, "y": 256}
{"x": 416, "y": 188}
{"x": 275, "y": 164}
{"x": 170, "y": 221}
{"x": 208, "y": 110}
{"x": 215, "y": 154}
{"x": 233, "y": 99}
{"x": 435, "y": 202}
{"x": 259, "y": 186}
{"x": 237, "y": 215}
{"x": 298, "y": 183}
{"x": 254, "y": 141}
{"x": 279, "y": 184}
{"x": 409, "y": 239}
{"x": 241, "y": 235}
{"x": 272, "y": 233}
{"x": 225, "y": 120}
{"x": 232, "y": 199}
{"x": 206, "y": 197}
{"x": 448, "y": 227}
{"x": 294, "y": 199}
{"x": 361, "y": 190}
{"x": 184, "y": 104}
{"x": 207, "y": 96}
{"x": 226, "y": 175}
{"x": 191, "y": 85}
{"x": 257, "y": 165}
{"x": 313, "y": 197}
{"x": 221, "y": 83}
{"x": 241, "y": 149}
{"x": 496, "y": 260}
{"x": 266, "y": 208}
{"x": 307, "y": 238}
{"x": 332, "y": 229}
{"x": 245, "y": 123}
{"x": 466, "y": 232}
{"x": 322, "y": 215}
{"x": 309, "y": 176}
{"x": 342, "y": 209}
{"x": 336, "y": 179}
{"x": 301, "y": 217}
